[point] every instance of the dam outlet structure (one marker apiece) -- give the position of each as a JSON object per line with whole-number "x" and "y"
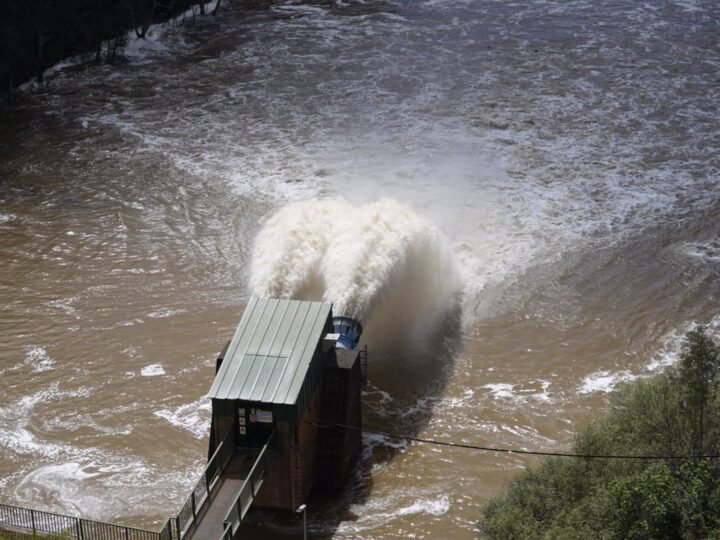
{"x": 286, "y": 419}
{"x": 286, "y": 412}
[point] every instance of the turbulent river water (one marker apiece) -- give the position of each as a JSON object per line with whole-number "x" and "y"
{"x": 568, "y": 152}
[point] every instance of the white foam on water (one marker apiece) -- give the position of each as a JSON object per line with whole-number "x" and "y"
{"x": 65, "y": 304}
{"x": 15, "y": 432}
{"x": 692, "y": 6}
{"x": 193, "y": 417}
{"x": 94, "y": 484}
{"x": 707, "y": 251}
{"x": 501, "y": 390}
{"x": 506, "y": 207}
{"x": 532, "y": 390}
{"x": 138, "y": 49}
{"x": 542, "y": 396}
{"x": 604, "y": 381}
{"x": 434, "y": 507}
{"x": 38, "y": 359}
{"x": 152, "y": 370}
{"x": 373, "y": 440}
{"x": 407, "y": 503}
{"x": 6, "y": 218}
{"x": 671, "y": 348}
{"x": 166, "y": 313}
{"x": 668, "y": 354}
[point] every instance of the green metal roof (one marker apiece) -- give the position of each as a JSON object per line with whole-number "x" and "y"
{"x": 272, "y": 349}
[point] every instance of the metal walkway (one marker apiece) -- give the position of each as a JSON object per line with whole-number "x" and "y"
{"x": 239, "y": 483}
{"x": 210, "y": 525}
{"x": 214, "y": 510}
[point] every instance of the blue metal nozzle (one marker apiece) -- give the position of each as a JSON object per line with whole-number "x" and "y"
{"x": 350, "y": 331}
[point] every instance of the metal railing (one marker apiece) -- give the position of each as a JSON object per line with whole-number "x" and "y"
{"x": 227, "y": 533}
{"x": 250, "y": 487}
{"x": 201, "y": 494}
{"x": 36, "y": 521}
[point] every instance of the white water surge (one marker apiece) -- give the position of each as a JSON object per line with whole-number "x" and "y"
{"x": 360, "y": 258}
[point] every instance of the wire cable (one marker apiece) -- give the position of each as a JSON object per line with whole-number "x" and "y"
{"x": 324, "y": 424}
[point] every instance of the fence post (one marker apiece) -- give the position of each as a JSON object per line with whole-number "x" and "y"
{"x": 177, "y": 528}
{"x": 32, "y": 520}
{"x": 78, "y": 522}
{"x": 127, "y": 534}
{"x": 192, "y": 500}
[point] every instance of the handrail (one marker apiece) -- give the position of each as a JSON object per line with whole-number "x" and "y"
{"x": 195, "y": 504}
{"x": 250, "y": 486}
{"x": 37, "y": 521}
{"x": 227, "y": 532}
{"x": 363, "y": 355}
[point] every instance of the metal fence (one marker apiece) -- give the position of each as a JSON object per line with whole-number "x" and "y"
{"x": 250, "y": 487}
{"x": 178, "y": 528}
{"x": 201, "y": 494}
{"x": 35, "y": 521}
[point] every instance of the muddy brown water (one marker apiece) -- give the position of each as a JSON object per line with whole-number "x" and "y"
{"x": 569, "y": 153}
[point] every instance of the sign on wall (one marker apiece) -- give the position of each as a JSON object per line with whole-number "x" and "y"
{"x": 260, "y": 416}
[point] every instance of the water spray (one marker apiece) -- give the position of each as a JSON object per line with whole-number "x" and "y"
{"x": 385, "y": 261}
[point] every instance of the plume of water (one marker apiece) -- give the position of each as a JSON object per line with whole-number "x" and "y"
{"x": 290, "y": 247}
{"x": 359, "y": 258}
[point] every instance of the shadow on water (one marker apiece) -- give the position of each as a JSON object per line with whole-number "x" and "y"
{"x": 408, "y": 373}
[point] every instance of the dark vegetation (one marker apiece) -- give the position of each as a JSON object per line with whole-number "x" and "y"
{"x": 35, "y": 34}
{"x": 676, "y": 413}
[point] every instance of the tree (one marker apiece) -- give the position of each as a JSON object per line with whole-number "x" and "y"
{"x": 697, "y": 376}
{"x": 674, "y": 414}
{"x": 33, "y": 19}
{"x": 142, "y": 14}
{"x": 35, "y": 34}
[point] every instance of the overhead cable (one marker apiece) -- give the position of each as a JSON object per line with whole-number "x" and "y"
{"x": 323, "y": 424}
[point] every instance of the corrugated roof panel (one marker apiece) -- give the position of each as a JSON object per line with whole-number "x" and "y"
{"x": 256, "y": 365}
{"x": 269, "y": 363}
{"x": 279, "y": 393}
{"x": 237, "y": 373}
{"x": 285, "y": 330}
{"x": 304, "y": 350}
{"x": 274, "y": 379}
{"x": 271, "y": 351}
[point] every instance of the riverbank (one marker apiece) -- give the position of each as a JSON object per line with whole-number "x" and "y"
{"x": 37, "y": 39}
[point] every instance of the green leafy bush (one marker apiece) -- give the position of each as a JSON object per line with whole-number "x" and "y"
{"x": 674, "y": 414}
